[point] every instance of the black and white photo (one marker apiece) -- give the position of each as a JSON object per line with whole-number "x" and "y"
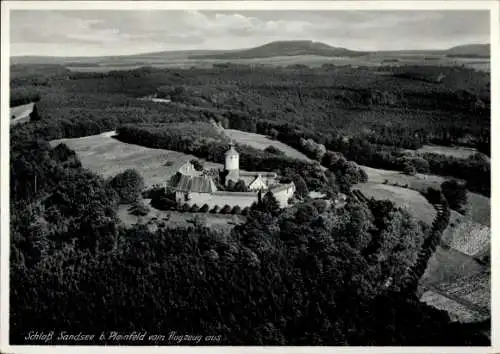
{"x": 247, "y": 175}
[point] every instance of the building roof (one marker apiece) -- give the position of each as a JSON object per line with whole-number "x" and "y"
{"x": 197, "y": 184}
{"x": 257, "y": 173}
{"x": 189, "y": 170}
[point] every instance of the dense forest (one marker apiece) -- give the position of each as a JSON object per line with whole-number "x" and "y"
{"x": 70, "y": 255}
{"x": 324, "y": 104}
{"x": 308, "y": 275}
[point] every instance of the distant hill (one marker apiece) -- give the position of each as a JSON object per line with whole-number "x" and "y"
{"x": 293, "y": 48}
{"x": 470, "y": 51}
{"x": 284, "y": 48}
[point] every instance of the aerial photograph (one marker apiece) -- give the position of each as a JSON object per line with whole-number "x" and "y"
{"x": 249, "y": 177}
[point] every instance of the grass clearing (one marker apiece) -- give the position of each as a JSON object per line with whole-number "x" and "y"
{"x": 457, "y": 152}
{"x": 259, "y": 141}
{"x": 420, "y": 182}
{"x": 21, "y": 114}
{"x": 156, "y": 217}
{"x": 402, "y": 197}
{"x": 107, "y": 156}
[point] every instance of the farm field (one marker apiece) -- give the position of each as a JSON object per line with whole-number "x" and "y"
{"x": 479, "y": 208}
{"x": 107, "y": 156}
{"x": 447, "y": 265}
{"x": 420, "y": 182}
{"x": 176, "y": 219}
{"x": 467, "y": 285}
{"x": 466, "y": 236}
{"x": 183, "y": 61}
{"x": 402, "y": 197}
{"x": 456, "y": 311}
{"x": 261, "y": 142}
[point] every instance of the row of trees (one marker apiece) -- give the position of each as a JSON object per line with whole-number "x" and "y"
{"x": 432, "y": 240}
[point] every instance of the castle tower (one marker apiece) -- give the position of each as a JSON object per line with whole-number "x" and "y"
{"x": 232, "y": 164}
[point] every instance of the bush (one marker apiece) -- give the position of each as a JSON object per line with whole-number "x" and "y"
{"x": 300, "y": 187}
{"x": 140, "y": 209}
{"x": 273, "y": 134}
{"x": 236, "y": 210}
{"x": 230, "y": 185}
{"x": 409, "y": 170}
{"x": 185, "y": 207}
{"x": 240, "y": 186}
{"x": 215, "y": 209}
{"x": 205, "y": 208}
{"x": 273, "y": 150}
{"x": 456, "y": 195}
{"x": 245, "y": 211}
{"x": 195, "y": 208}
{"x": 320, "y": 205}
{"x": 433, "y": 195}
{"x": 197, "y": 164}
{"x": 226, "y": 209}
{"x": 128, "y": 184}
{"x": 162, "y": 202}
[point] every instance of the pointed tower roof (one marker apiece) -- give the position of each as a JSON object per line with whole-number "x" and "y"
{"x": 231, "y": 150}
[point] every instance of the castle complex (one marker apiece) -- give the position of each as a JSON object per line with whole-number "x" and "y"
{"x": 196, "y": 187}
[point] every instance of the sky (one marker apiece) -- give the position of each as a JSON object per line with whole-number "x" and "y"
{"x": 118, "y": 32}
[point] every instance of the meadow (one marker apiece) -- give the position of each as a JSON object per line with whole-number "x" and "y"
{"x": 107, "y": 157}
{"x": 259, "y": 141}
{"x": 401, "y": 197}
{"x": 458, "y": 152}
{"x": 170, "y": 219}
{"x": 419, "y": 182}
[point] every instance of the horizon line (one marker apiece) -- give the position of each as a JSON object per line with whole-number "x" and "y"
{"x": 246, "y": 48}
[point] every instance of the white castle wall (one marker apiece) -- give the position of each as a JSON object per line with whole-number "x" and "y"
{"x": 219, "y": 198}
{"x": 242, "y": 199}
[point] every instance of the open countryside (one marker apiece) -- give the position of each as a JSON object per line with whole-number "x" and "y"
{"x": 108, "y": 156}
{"x": 335, "y": 197}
